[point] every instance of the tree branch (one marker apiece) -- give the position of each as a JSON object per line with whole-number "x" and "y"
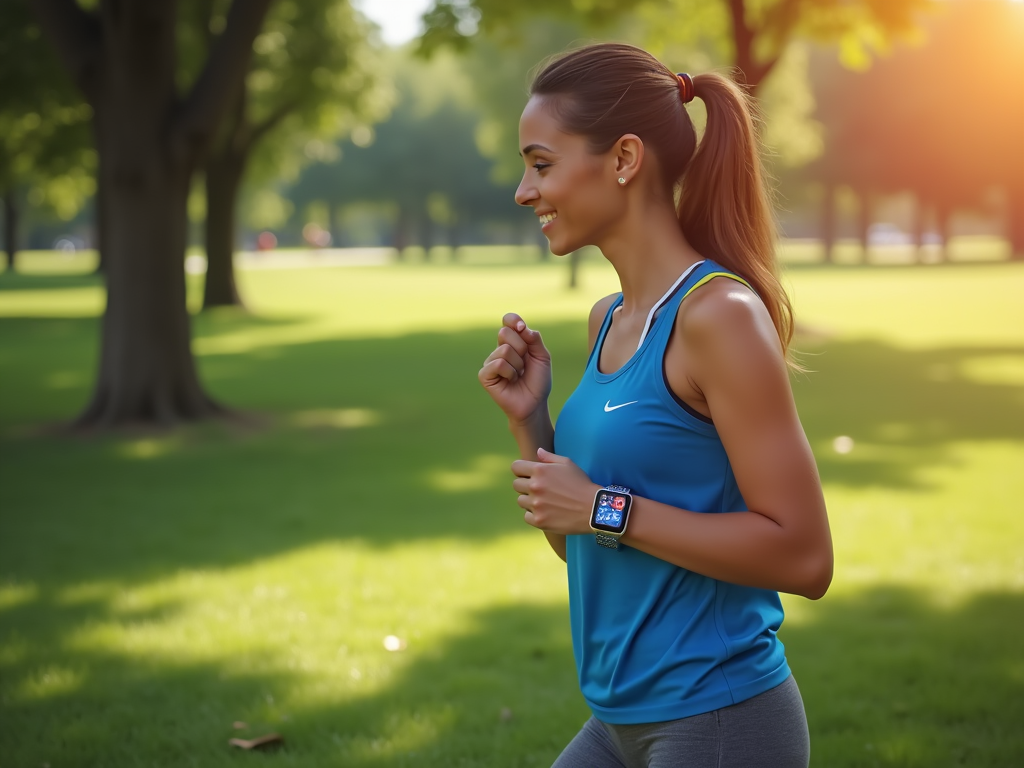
{"x": 742, "y": 38}
{"x": 272, "y": 120}
{"x": 77, "y": 37}
{"x": 223, "y": 74}
{"x": 779, "y": 23}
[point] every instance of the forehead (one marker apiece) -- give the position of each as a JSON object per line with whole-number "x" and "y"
{"x": 538, "y": 125}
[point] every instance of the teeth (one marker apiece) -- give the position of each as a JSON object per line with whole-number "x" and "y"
{"x": 548, "y": 217}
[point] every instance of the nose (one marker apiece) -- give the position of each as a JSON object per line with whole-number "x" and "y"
{"x": 526, "y": 193}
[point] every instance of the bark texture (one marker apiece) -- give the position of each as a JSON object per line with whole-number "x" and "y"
{"x": 10, "y": 229}
{"x": 828, "y": 222}
{"x": 1015, "y": 228}
{"x": 149, "y": 140}
{"x": 223, "y": 179}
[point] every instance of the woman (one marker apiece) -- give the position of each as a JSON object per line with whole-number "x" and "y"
{"x": 679, "y": 486}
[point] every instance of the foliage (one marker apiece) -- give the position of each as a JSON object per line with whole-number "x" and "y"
{"x": 424, "y": 160}
{"x": 916, "y": 122}
{"x": 753, "y": 34}
{"x": 271, "y": 563}
{"x": 316, "y": 74}
{"x": 46, "y": 150}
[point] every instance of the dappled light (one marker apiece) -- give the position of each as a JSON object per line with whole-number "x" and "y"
{"x": 258, "y": 574}
{"x": 253, "y": 255}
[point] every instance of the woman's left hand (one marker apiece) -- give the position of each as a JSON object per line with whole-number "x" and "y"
{"x": 556, "y": 494}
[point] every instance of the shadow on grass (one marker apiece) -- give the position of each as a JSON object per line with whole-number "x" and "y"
{"x": 887, "y": 678}
{"x": 19, "y": 281}
{"x": 370, "y": 432}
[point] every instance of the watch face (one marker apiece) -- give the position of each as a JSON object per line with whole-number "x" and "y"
{"x": 610, "y": 511}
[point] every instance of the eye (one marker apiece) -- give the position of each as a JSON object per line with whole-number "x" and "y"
{"x": 541, "y": 166}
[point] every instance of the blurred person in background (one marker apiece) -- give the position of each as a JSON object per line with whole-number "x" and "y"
{"x": 684, "y": 422}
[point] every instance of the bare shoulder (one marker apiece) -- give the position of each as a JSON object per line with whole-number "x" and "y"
{"x": 725, "y": 316}
{"x": 597, "y": 315}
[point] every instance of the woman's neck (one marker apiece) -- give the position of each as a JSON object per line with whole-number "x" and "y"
{"x": 648, "y": 251}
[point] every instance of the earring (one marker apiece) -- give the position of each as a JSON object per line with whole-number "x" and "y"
{"x": 622, "y": 180}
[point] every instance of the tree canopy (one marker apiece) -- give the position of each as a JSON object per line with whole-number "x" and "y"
{"x": 754, "y": 34}
{"x": 46, "y": 154}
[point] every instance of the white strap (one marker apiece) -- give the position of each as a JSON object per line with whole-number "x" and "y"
{"x": 663, "y": 299}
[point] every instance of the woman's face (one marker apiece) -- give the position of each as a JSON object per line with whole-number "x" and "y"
{"x": 572, "y": 191}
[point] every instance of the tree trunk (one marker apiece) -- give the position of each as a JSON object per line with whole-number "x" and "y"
{"x": 147, "y": 374}
{"x": 403, "y": 226}
{"x": 828, "y": 222}
{"x": 102, "y": 213}
{"x": 427, "y": 232}
{"x": 943, "y": 214}
{"x": 864, "y": 220}
{"x": 574, "y": 268}
{"x": 333, "y": 224}
{"x": 123, "y": 57}
{"x": 918, "y": 227}
{"x": 223, "y": 179}
{"x": 10, "y": 228}
{"x": 1015, "y": 222}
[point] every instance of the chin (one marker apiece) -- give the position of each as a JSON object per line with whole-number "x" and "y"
{"x": 563, "y": 249}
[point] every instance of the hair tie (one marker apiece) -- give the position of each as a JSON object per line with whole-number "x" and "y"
{"x": 685, "y": 87}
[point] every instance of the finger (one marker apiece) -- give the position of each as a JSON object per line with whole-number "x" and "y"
{"x": 496, "y": 369}
{"x": 530, "y": 336}
{"x": 534, "y": 342}
{"x": 521, "y": 485}
{"x": 508, "y": 336}
{"x": 508, "y": 352}
{"x": 525, "y": 502}
{"x": 552, "y": 458}
{"x": 530, "y": 519}
{"x": 523, "y": 468}
{"x": 514, "y": 321}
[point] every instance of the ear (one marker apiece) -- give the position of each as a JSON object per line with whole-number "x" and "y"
{"x": 628, "y": 154}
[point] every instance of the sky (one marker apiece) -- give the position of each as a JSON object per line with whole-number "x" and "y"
{"x": 399, "y": 20}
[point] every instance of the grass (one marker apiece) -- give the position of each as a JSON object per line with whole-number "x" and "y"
{"x": 157, "y": 588}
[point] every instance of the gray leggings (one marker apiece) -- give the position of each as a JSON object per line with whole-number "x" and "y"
{"x": 766, "y": 731}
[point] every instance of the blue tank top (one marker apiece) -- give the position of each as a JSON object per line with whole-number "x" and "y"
{"x": 654, "y": 641}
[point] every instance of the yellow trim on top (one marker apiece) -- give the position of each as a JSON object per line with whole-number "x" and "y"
{"x": 711, "y": 275}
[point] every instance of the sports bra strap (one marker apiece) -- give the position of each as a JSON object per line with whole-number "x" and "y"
{"x": 711, "y": 276}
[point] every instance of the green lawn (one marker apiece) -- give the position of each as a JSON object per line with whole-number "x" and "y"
{"x": 156, "y": 588}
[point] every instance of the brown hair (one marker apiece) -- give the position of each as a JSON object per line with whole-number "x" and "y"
{"x": 607, "y": 90}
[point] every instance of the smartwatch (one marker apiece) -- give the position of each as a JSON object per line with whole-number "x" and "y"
{"x": 610, "y": 514}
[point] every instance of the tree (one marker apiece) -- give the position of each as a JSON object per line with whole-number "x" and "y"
{"x": 423, "y": 161}
{"x": 150, "y": 136}
{"x": 45, "y": 148}
{"x": 313, "y": 75}
{"x": 949, "y": 138}
{"x": 755, "y": 32}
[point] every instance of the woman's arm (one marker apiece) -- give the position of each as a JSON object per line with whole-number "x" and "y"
{"x": 732, "y": 356}
{"x": 517, "y": 375}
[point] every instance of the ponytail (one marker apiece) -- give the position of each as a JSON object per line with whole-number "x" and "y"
{"x": 607, "y": 90}
{"x": 725, "y": 209}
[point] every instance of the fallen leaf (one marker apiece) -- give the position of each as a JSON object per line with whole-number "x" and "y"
{"x": 271, "y": 739}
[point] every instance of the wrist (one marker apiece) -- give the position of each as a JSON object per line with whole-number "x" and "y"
{"x": 609, "y": 516}
{"x": 539, "y": 419}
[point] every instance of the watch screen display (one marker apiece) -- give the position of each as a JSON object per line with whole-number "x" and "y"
{"x": 610, "y": 511}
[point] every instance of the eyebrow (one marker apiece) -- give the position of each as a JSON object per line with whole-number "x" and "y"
{"x": 533, "y": 148}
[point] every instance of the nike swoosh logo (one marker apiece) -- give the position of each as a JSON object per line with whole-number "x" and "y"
{"x": 608, "y": 407}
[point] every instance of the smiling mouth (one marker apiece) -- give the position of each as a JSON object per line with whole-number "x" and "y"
{"x": 547, "y": 218}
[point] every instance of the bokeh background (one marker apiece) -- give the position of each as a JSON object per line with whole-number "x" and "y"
{"x": 254, "y": 255}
